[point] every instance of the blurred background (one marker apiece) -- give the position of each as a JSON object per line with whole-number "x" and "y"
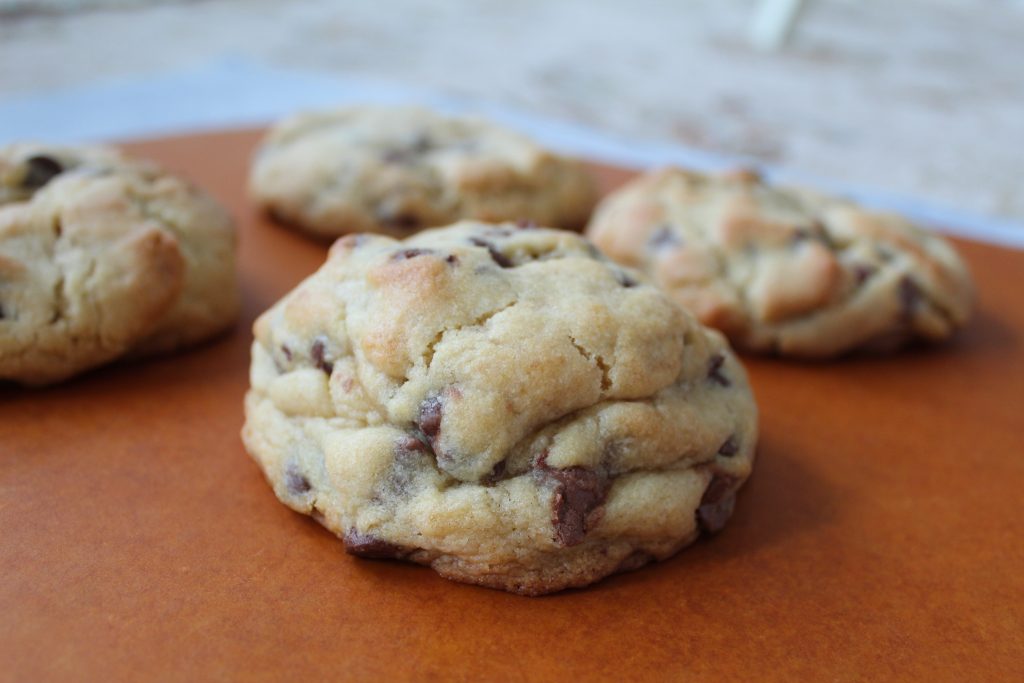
{"x": 912, "y": 104}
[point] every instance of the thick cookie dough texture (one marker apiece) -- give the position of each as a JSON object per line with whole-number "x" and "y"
{"x": 397, "y": 170}
{"x": 103, "y": 257}
{"x": 502, "y": 404}
{"x": 785, "y": 270}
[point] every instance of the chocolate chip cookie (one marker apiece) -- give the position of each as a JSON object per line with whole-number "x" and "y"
{"x": 501, "y": 403}
{"x": 103, "y": 257}
{"x": 397, "y": 170}
{"x": 785, "y": 270}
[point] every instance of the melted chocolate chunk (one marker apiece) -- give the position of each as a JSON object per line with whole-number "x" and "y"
{"x": 397, "y": 156}
{"x": 717, "y": 503}
{"x": 861, "y": 272}
{"x": 452, "y": 259}
{"x": 296, "y": 482}
{"x": 429, "y": 421}
{"x": 730, "y": 448}
{"x": 496, "y": 255}
{"x": 402, "y": 221}
{"x": 578, "y": 501}
{"x": 715, "y": 370}
{"x": 409, "y": 253}
{"x": 409, "y": 445}
{"x": 663, "y": 238}
{"x": 2, "y": 314}
{"x": 496, "y": 474}
{"x": 409, "y": 452}
{"x": 317, "y": 353}
{"x": 910, "y": 296}
{"x": 286, "y": 351}
{"x": 366, "y": 545}
{"x": 40, "y": 170}
{"x": 625, "y": 280}
{"x": 418, "y": 146}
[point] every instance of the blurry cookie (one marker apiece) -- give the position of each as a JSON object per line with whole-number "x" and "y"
{"x": 102, "y": 257}
{"x": 397, "y": 170}
{"x": 785, "y": 270}
{"x": 502, "y": 404}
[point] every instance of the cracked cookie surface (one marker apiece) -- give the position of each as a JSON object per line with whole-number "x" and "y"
{"x": 397, "y": 170}
{"x": 503, "y": 404}
{"x": 785, "y": 270}
{"x": 103, "y": 257}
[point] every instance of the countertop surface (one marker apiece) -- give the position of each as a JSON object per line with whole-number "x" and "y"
{"x": 879, "y": 537}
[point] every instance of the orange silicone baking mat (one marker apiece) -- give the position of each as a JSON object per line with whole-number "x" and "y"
{"x": 881, "y": 536}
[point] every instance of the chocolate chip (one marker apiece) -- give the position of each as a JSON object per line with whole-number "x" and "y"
{"x": 862, "y": 271}
{"x": 409, "y": 454}
{"x": 799, "y": 235}
{"x": 286, "y": 351}
{"x": 396, "y": 156}
{"x": 715, "y": 370}
{"x": 296, "y": 482}
{"x": 452, "y": 259}
{"x": 663, "y": 238}
{"x": 429, "y": 421}
{"x": 496, "y": 255}
{"x": 410, "y": 445}
{"x": 625, "y": 280}
{"x": 401, "y": 221}
{"x": 318, "y": 354}
{"x": 910, "y": 296}
{"x": 717, "y": 503}
{"x": 2, "y": 314}
{"x": 496, "y": 474}
{"x": 730, "y": 448}
{"x": 419, "y": 145}
{"x": 369, "y": 546}
{"x": 409, "y": 253}
{"x": 577, "y": 503}
{"x": 40, "y": 170}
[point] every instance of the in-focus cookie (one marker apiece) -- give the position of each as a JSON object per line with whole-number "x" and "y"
{"x": 502, "y": 404}
{"x": 785, "y": 270}
{"x": 103, "y": 257}
{"x": 398, "y": 170}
